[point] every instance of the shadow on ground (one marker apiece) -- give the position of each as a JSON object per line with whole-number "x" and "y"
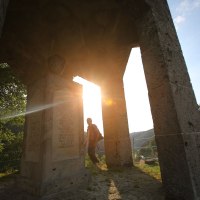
{"x": 125, "y": 184}
{"x": 118, "y": 184}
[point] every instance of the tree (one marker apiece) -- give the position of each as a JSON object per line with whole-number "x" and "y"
{"x": 12, "y": 99}
{"x": 10, "y": 150}
{"x": 12, "y": 109}
{"x": 12, "y": 92}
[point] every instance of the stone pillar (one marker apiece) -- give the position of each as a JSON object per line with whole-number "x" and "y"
{"x": 53, "y": 154}
{"x": 173, "y": 104}
{"x": 116, "y": 133}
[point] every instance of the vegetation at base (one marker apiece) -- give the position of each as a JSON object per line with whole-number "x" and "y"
{"x": 10, "y": 151}
{"x": 90, "y": 166}
{"x": 12, "y": 106}
{"x": 8, "y": 174}
{"x": 152, "y": 170}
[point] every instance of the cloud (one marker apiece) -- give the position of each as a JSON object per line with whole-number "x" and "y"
{"x": 197, "y": 4}
{"x": 184, "y": 8}
{"x": 179, "y": 19}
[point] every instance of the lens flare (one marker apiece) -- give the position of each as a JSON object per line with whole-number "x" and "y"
{"x": 35, "y": 109}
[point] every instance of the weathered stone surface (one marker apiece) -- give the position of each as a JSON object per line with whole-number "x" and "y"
{"x": 174, "y": 108}
{"x": 181, "y": 163}
{"x": 88, "y": 34}
{"x": 173, "y": 162}
{"x": 117, "y": 140}
{"x": 93, "y": 39}
{"x": 53, "y": 159}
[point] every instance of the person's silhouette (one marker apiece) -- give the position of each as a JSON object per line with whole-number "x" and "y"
{"x": 93, "y": 136}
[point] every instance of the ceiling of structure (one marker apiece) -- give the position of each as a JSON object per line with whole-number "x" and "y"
{"x": 87, "y": 38}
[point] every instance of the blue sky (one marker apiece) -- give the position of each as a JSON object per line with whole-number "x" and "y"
{"x": 186, "y": 16}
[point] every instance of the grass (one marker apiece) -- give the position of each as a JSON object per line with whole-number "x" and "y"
{"x": 3, "y": 174}
{"x": 7, "y": 174}
{"x": 151, "y": 170}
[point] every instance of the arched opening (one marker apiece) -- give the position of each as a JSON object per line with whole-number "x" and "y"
{"x": 92, "y": 108}
{"x": 91, "y": 102}
{"x": 137, "y": 103}
{"x": 138, "y": 109}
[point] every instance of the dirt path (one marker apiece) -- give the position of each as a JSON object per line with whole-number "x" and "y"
{"x": 127, "y": 184}
{"x": 121, "y": 184}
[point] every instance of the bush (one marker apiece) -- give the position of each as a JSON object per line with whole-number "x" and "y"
{"x": 10, "y": 150}
{"x": 12, "y": 108}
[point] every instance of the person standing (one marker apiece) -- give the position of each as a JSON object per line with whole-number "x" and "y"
{"x": 93, "y": 136}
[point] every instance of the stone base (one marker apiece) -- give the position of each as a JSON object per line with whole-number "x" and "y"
{"x": 118, "y": 153}
{"x": 179, "y": 156}
{"x": 67, "y": 186}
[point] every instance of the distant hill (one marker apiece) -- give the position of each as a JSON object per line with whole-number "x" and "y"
{"x": 141, "y": 139}
{"x": 138, "y": 140}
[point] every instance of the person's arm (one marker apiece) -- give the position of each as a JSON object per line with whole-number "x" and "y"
{"x": 98, "y": 135}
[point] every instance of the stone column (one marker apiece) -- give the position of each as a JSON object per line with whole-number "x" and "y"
{"x": 53, "y": 154}
{"x": 116, "y": 133}
{"x": 173, "y": 104}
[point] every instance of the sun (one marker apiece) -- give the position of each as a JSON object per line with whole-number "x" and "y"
{"x": 92, "y": 105}
{"x": 136, "y": 94}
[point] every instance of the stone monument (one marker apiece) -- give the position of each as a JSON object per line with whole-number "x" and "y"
{"x": 96, "y": 37}
{"x": 53, "y": 153}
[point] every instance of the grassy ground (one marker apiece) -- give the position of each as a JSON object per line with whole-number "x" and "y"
{"x": 3, "y": 174}
{"x": 151, "y": 170}
{"x": 118, "y": 183}
{"x": 6, "y": 174}
{"x": 105, "y": 184}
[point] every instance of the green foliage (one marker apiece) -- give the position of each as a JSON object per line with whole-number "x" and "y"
{"x": 10, "y": 150}
{"x": 12, "y": 105}
{"x": 153, "y": 171}
{"x": 148, "y": 150}
{"x": 12, "y": 92}
{"x": 91, "y": 167}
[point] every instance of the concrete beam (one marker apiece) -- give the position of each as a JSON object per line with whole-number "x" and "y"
{"x": 173, "y": 104}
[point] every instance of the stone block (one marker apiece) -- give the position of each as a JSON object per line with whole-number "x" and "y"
{"x": 53, "y": 158}
{"x": 179, "y": 161}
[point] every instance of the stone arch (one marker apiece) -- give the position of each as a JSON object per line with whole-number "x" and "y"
{"x": 174, "y": 108}
{"x": 147, "y": 24}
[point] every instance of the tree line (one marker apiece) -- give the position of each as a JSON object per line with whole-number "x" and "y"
{"x": 12, "y": 107}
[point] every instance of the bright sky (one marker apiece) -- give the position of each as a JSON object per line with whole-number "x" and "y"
{"x": 186, "y": 16}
